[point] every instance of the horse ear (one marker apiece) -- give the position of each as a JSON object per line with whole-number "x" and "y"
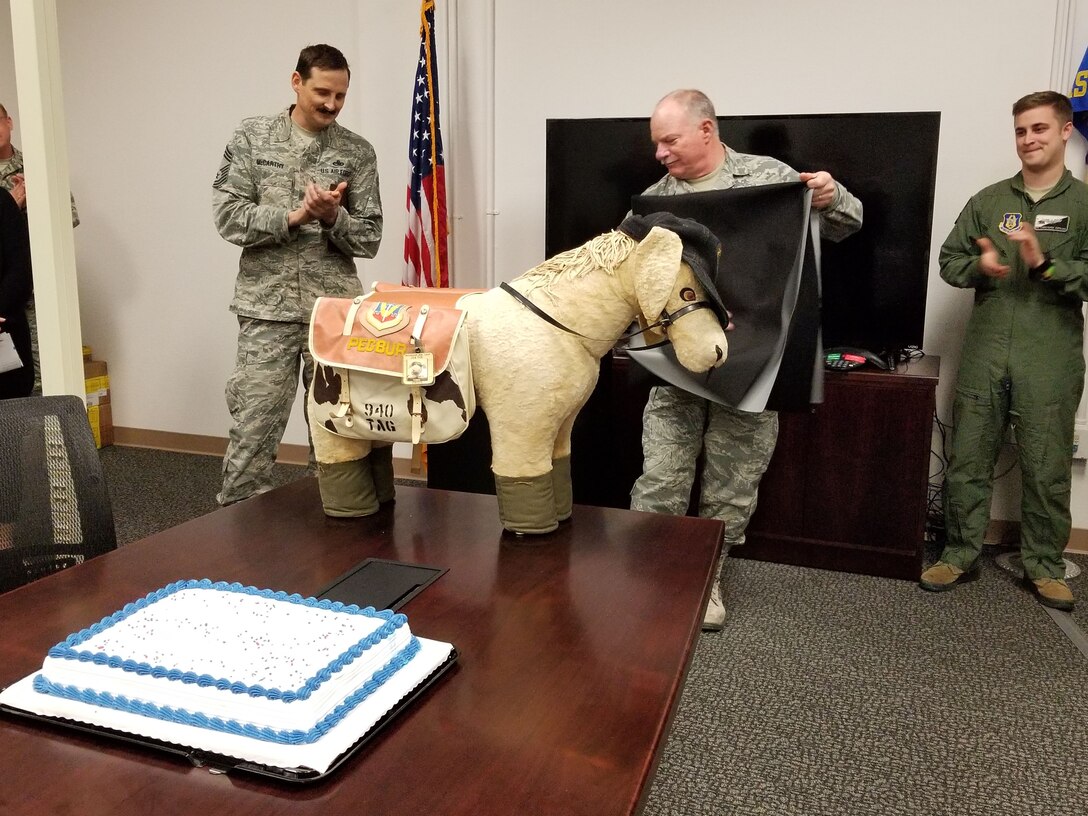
{"x": 657, "y": 262}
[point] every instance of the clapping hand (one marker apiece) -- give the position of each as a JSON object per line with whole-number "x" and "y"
{"x": 989, "y": 262}
{"x": 324, "y": 205}
{"x": 1028, "y": 241}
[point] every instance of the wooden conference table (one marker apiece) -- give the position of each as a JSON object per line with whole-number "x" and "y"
{"x": 573, "y": 654}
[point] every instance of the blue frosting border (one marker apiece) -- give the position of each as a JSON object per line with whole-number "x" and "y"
{"x": 67, "y": 649}
{"x": 184, "y": 717}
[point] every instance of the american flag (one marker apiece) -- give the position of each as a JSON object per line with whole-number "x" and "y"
{"x": 425, "y": 255}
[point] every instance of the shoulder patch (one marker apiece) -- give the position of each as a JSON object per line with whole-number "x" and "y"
{"x": 224, "y": 168}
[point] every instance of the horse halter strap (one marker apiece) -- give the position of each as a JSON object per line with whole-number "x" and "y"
{"x": 668, "y": 318}
{"x": 665, "y": 320}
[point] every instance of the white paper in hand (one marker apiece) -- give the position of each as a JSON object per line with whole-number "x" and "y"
{"x": 9, "y": 357}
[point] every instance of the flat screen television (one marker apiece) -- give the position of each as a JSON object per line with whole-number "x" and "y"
{"x": 874, "y": 282}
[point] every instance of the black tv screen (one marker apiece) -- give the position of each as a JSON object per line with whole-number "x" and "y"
{"x": 874, "y": 282}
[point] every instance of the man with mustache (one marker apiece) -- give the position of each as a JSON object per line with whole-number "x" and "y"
{"x": 299, "y": 194}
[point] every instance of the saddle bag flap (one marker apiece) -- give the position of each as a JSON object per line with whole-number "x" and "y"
{"x": 372, "y": 335}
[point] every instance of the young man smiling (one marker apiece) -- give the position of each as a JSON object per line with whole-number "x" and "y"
{"x": 299, "y": 194}
{"x": 1022, "y": 245}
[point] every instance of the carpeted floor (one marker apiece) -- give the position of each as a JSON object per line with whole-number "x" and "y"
{"x": 827, "y": 694}
{"x": 151, "y": 490}
{"x": 847, "y": 695}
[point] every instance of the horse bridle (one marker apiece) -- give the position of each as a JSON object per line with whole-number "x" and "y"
{"x": 664, "y": 320}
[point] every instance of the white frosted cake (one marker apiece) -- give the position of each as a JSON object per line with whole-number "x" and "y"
{"x": 217, "y": 666}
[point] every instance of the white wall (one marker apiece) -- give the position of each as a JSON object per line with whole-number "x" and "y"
{"x": 153, "y": 90}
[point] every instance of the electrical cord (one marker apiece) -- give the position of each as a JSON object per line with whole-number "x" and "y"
{"x": 935, "y": 529}
{"x": 909, "y": 353}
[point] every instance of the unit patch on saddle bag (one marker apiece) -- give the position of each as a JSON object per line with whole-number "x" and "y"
{"x": 390, "y": 372}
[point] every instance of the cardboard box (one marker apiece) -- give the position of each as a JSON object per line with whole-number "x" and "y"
{"x": 101, "y": 419}
{"x": 96, "y": 382}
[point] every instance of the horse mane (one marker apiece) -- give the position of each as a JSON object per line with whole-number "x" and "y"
{"x": 604, "y": 253}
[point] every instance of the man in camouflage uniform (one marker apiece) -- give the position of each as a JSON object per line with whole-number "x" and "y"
{"x": 13, "y": 180}
{"x": 299, "y": 194}
{"x": 737, "y": 445}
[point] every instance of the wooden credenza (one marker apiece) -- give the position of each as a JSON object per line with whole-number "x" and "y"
{"x": 846, "y": 489}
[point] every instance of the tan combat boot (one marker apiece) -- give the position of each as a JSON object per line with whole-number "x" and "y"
{"x": 941, "y": 576}
{"x": 1052, "y": 592}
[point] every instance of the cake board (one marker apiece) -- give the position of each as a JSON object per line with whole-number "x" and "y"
{"x": 19, "y": 700}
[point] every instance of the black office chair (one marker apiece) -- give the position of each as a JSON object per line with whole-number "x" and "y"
{"x": 54, "y": 507}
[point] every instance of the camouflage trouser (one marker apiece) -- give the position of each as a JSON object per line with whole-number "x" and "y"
{"x": 737, "y": 448}
{"x": 260, "y": 393}
{"x": 32, "y": 320}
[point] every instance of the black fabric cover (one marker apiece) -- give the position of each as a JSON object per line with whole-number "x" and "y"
{"x": 764, "y": 235}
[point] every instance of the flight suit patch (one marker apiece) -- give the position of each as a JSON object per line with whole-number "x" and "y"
{"x": 1010, "y": 222}
{"x": 1052, "y": 223}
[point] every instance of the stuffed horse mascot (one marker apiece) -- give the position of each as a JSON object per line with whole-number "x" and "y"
{"x": 535, "y": 346}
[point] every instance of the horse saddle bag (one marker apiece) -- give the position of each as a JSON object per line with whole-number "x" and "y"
{"x": 388, "y": 371}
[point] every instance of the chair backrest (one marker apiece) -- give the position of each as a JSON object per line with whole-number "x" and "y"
{"x": 54, "y": 506}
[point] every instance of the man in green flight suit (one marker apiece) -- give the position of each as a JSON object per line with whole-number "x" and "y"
{"x": 1022, "y": 245}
